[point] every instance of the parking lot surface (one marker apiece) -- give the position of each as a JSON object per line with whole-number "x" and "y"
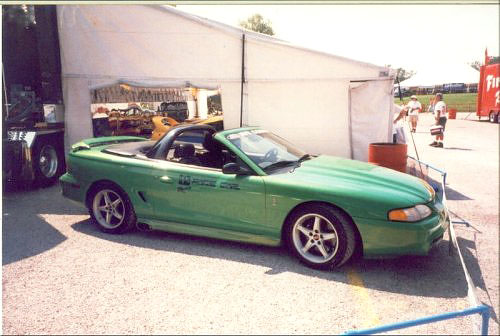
{"x": 61, "y": 275}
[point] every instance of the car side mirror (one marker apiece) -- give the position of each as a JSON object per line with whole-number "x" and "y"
{"x": 234, "y": 168}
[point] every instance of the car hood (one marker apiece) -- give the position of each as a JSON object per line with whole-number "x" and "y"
{"x": 360, "y": 180}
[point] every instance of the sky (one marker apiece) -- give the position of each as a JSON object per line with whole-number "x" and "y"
{"x": 436, "y": 41}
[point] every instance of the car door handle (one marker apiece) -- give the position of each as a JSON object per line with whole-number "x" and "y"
{"x": 165, "y": 179}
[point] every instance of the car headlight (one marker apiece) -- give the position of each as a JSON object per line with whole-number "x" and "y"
{"x": 413, "y": 214}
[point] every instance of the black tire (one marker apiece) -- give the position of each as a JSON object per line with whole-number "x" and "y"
{"x": 332, "y": 222}
{"x": 48, "y": 161}
{"x": 99, "y": 208}
{"x": 493, "y": 117}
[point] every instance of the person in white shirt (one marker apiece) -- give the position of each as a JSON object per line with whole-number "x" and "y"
{"x": 414, "y": 108}
{"x": 440, "y": 111}
{"x": 398, "y": 135}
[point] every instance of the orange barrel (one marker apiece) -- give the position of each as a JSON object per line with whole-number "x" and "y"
{"x": 389, "y": 155}
{"x": 452, "y": 113}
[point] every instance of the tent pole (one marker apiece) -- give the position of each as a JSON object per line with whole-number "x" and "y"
{"x": 399, "y": 87}
{"x": 242, "y": 77}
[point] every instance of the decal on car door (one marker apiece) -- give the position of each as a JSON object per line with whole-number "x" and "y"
{"x": 185, "y": 183}
{"x": 233, "y": 186}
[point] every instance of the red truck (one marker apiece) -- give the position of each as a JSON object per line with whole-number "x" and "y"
{"x": 488, "y": 92}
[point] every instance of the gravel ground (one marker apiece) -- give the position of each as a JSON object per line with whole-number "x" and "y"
{"x": 63, "y": 276}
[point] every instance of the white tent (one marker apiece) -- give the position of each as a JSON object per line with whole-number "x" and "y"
{"x": 321, "y": 102}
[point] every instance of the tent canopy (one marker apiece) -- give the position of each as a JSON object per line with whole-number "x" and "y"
{"x": 301, "y": 94}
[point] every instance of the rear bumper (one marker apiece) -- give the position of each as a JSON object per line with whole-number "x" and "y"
{"x": 385, "y": 238}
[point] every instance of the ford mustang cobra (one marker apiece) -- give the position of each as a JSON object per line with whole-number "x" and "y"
{"x": 250, "y": 185}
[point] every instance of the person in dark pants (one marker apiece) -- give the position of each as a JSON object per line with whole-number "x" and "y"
{"x": 440, "y": 116}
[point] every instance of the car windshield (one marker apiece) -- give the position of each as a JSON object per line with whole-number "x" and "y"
{"x": 267, "y": 150}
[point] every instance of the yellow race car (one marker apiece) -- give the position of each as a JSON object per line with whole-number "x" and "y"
{"x": 163, "y": 124}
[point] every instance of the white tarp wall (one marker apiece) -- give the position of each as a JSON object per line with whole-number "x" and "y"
{"x": 302, "y": 95}
{"x": 379, "y": 93}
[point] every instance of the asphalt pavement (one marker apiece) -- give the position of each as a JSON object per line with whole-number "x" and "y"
{"x": 61, "y": 275}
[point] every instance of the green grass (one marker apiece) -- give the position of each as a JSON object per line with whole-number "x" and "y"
{"x": 463, "y": 102}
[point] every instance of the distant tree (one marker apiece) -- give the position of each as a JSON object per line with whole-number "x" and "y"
{"x": 475, "y": 65}
{"x": 258, "y": 24}
{"x": 402, "y": 74}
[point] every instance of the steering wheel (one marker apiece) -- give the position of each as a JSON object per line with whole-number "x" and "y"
{"x": 271, "y": 155}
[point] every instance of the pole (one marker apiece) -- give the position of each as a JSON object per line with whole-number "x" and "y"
{"x": 482, "y": 309}
{"x": 5, "y": 93}
{"x": 412, "y": 140}
{"x": 399, "y": 87}
{"x": 242, "y": 77}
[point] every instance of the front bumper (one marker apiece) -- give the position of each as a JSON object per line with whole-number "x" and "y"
{"x": 71, "y": 188}
{"x": 386, "y": 238}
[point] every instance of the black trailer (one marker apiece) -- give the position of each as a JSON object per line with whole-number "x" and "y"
{"x": 33, "y": 138}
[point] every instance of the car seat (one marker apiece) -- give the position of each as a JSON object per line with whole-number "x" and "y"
{"x": 213, "y": 158}
{"x": 185, "y": 153}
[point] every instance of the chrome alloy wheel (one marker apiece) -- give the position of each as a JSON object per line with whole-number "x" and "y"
{"x": 315, "y": 238}
{"x": 108, "y": 208}
{"x": 48, "y": 161}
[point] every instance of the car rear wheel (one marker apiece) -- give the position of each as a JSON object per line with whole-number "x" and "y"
{"x": 111, "y": 209}
{"x": 320, "y": 236}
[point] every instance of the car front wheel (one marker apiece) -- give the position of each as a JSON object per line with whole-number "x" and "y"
{"x": 320, "y": 236}
{"x": 111, "y": 209}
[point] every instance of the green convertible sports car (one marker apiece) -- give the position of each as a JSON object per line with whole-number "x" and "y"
{"x": 250, "y": 185}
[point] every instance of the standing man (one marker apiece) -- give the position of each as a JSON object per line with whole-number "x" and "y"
{"x": 440, "y": 116}
{"x": 414, "y": 108}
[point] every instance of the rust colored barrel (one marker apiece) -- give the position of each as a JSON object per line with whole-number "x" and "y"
{"x": 452, "y": 113}
{"x": 388, "y": 155}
